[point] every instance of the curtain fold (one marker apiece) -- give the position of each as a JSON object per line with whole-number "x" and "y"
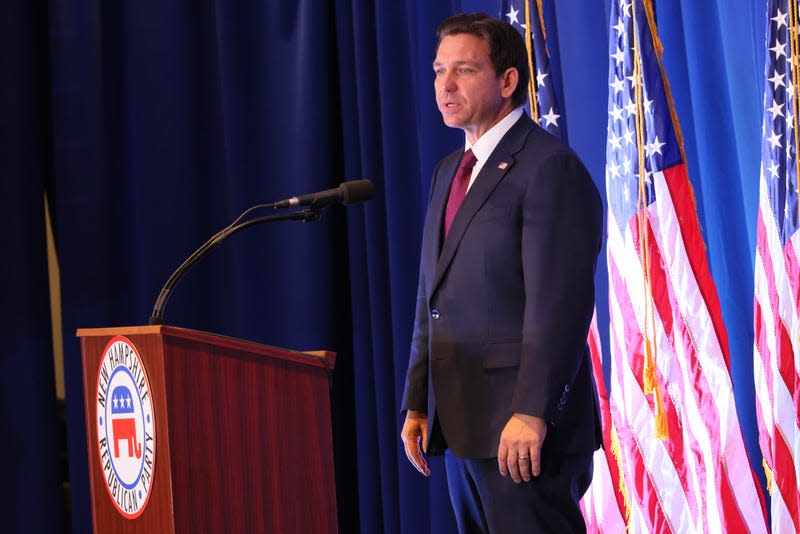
{"x": 31, "y": 438}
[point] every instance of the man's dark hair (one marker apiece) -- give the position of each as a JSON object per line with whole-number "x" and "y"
{"x": 506, "y": 47}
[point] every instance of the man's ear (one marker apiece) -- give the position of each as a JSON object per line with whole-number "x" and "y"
{"x": 508, "y": 82}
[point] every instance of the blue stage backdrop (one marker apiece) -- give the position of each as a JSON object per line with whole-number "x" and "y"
{"x": 32, "y": 496}
{"x": 153, "y": 124}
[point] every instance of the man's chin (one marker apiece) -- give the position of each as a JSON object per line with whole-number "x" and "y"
{"x": 451, "y": 121}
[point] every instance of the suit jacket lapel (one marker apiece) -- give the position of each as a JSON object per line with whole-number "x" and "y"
{"x": 439, "y": 201}
{"x": 484, "y": 184}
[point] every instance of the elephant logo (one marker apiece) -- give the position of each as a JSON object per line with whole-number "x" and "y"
{"x": 123, "y": 422}
{"x": 126, "y": 427}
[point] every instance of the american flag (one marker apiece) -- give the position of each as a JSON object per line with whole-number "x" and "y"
{"x": 525, "y": 16}
{"x": 685, "y": 467}
{"x": 603, "y": 503}
{"x": 777, "y": 271}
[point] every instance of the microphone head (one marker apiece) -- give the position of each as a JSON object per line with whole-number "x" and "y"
{"x": 356, "y": 191}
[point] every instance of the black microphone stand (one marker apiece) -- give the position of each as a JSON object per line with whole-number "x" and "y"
{"x": 157, "y": 316}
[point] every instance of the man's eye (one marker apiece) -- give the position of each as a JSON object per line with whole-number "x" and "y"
{"x": 464, "y": 70}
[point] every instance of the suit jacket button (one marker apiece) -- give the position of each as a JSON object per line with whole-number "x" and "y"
{"x": 435, "y": 313}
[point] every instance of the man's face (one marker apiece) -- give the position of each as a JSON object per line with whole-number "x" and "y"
{"x": 470, "y": 95}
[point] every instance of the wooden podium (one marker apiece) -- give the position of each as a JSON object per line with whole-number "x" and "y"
{"x": 237, "y": 436}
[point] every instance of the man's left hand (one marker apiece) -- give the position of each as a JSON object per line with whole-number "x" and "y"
{"x": 520, "y": 451}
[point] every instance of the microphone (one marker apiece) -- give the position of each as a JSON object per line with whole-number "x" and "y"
{"x": 347, "y": 193}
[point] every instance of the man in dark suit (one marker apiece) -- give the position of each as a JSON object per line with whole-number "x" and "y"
{"x": 499, "y": 376}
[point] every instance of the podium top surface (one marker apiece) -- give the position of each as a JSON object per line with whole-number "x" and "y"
{"x": 322, "y": 358}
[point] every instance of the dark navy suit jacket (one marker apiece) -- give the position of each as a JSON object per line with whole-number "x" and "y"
{"x": 505, "y": 301}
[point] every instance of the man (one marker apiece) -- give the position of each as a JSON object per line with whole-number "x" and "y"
{"x": 499, "y": 376}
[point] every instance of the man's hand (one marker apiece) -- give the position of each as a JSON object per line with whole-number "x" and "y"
{"x": 520, "y": 448}
{"x": 414, "y": 435}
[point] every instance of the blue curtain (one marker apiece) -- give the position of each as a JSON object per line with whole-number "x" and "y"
{"x": 33, "y": 500}
{"x": 153, "y": 124}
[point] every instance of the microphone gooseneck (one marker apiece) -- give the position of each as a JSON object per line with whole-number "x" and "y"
{"x": 347, "y": 193}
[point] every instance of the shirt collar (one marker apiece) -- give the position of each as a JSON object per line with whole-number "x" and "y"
{"x": 486, "y": 144}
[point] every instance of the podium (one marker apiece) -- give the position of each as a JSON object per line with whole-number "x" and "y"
{"x": 193, "y": 432}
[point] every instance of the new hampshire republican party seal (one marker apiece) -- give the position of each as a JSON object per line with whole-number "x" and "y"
{"x": 126, "y": 427}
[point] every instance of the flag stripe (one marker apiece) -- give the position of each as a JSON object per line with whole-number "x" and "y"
{"x": 763, "y": 382}
{"x": 663, "y": 296}
{"x": 785, "y": 477}
{"x": 790, "y": 260}
{"x": 605, "y": 414}
{"x": 603, "y": 504}
{"x": 733, "y": 518}
{"x": 682, "y": 202}
{"x": 786, "y": 363}
{"x": 639, "y": 431}
{"x": 783, "y": 350}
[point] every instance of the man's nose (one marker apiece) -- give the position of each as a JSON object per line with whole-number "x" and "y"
{"x": 448, "y": 82}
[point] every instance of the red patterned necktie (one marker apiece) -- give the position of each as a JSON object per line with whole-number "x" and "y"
{"x": 458, "y": 189}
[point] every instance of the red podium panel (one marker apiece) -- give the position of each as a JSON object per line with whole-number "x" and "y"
{"x": 241, "y": 442}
